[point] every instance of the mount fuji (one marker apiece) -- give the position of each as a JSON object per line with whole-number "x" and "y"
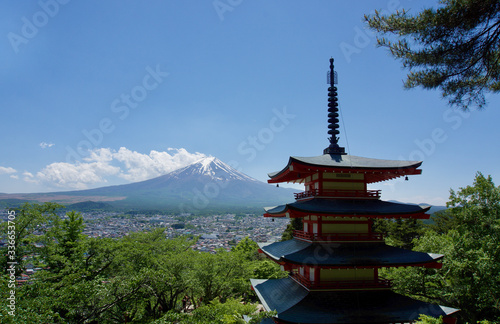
{"x": 206, "y": 185}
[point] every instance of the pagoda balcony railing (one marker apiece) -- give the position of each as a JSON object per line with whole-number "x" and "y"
{"x": 374, "y": 194}
{"x": 353, "y": 237}
{"x": 341, "y": 284}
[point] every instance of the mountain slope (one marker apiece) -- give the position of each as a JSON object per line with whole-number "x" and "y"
{"x": 206, "y": 184}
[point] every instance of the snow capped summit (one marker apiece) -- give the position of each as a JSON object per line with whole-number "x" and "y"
{"x": 213, "y": 168}
{"x": 205, "y": 162}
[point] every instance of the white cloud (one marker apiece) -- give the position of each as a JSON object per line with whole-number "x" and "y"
{"x": 7, "y": 170}
{"x": 45, "y": 145}
{"x": 146, "y": 166}
{"x": 76, "y": 176}
{"x": 104, "y": 163}
{"x": 102, "y": 155}
{"x": 29, "y": 177}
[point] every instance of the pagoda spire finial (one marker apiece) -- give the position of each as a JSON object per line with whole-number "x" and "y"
{"x": 333, "y": 114}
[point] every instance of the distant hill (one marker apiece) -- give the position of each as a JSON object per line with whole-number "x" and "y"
{"x": 10, "y": 202}
{"x": 435, "y": 209}
{"x": 86, "y": 206}
{"x": 208, "y": 184}
{"x": 431, "y": 211}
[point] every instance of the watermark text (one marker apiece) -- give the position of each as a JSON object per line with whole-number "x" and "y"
{"x": 11, "y": 262}
{"x": 32, "y": 25}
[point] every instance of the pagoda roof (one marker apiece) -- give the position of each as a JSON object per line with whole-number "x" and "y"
{"x": 294, "y": 304}
{"x": 347, "y": 207}
{"x": 376, "y": 169}
{"x": 346, "y": 255}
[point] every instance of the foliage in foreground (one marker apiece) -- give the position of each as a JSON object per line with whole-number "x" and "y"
{"x": 424, "y": 319}
{"x": 468, "y": 234}
{"x": 229, "y": 312}
{"x": 135, "y": 279}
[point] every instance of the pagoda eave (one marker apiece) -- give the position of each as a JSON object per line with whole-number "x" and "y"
{"x": 290, "y": 213}
{"x": 375, "y": 170}
{"x": 288, "y": 266}
{"x": 295, "y": 304}
{"x": 347, "y": 208}
{"x": 372, "y": 175}
{"x": 346, "y": 255}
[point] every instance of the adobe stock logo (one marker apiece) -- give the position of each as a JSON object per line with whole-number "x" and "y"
{"x": 363, "y": 37}
{"x": 31, "y": 26}
{"x": 265, "y": 135}
{"x": 223, "y": 6}
{"x": 427, "y": 146}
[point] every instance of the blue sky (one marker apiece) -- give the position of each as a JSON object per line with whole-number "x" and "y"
{"x": 96, "y": 93}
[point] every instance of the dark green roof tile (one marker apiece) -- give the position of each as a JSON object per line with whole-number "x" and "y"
{"x": 345, "y": 254}
{"x": 295, "y": 305}
{"x": 348, "y": 206}
{"x": 349, "y": 161}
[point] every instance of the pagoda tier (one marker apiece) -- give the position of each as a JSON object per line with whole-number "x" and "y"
{"x": 343, "y": 167}
{"x": 343, "y": 266}
{"x": 294, "y": 253}
{"x": 296, "y": 304}
{"x": 369, "y": 208}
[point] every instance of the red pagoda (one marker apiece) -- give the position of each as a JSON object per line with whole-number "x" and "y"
{"x": 334, "y": 260}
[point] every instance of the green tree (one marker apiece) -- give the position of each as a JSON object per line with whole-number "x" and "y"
{"x": 454, "y": 47}
{"x": 259, "y": 266}
{"x": 161, "y": 270}
{"x": 72, "y": 287}
{"x": 442, "y": 221}
{"x": 215, "y": 312}
{"x": 399, "y": 232}
{"x": 424, "y": 319}
{"x": 220, "y": 275}
{"x": 30, "y": 220}
{"x": 135, "y": 278}
{"x": 63, "y": 243}
{"x": 138, "y": 278}
{"x": 267, "y": 269}
{"x": 469, "y": 278}
{"x": 295, "y": 224}
{"x": 248, "y": 249}
{"x": 22, "y": 313}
